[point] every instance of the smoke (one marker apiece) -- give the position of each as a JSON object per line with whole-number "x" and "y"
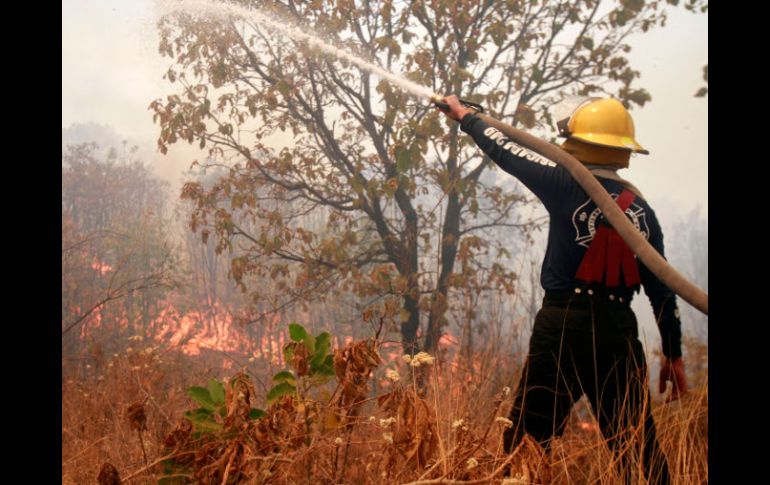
{"x": 281, "y": 26}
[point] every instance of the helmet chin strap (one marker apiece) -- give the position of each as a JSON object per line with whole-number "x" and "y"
{"x": 592, "y": 166}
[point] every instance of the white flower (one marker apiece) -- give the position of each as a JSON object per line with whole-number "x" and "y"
{"x": 422, "y": 358}
{"x": 388, "y": 437}
{"x": 371, "y": 419}
{"x": 425, "y": 358}
{"x": 338, "y": 441}
{"x": 506, "y": 390}
{"x": 471, "y": 464}
{"x": 251, "y": 360}
{"x": 458, "y": 423}
{"x": 393, "y": 375}
{"x": 407, "y": 358}
{"x": 387, "y": 422}
{"x": 507, "y": 423}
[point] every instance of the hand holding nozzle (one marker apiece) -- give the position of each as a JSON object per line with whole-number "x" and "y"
{"x": 455, "y": 108}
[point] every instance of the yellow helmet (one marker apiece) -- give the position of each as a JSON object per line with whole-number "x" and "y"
{"x": 603, "y": 122}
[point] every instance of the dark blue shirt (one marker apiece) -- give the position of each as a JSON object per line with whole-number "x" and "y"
{"x": 574, "y": 218}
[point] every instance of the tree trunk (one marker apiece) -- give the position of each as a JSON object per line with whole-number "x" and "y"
{"x": 411, "y": 325}
{"x": 450, "y": 239}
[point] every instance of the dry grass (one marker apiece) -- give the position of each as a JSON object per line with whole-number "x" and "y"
{"x": 351, "y": 434}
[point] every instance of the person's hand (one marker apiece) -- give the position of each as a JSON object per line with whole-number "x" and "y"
{"x": 673, "y": 370}
{"x": 456, "y": 110}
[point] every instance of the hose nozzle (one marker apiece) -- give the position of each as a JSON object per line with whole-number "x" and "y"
{"x": 439, "y": 102}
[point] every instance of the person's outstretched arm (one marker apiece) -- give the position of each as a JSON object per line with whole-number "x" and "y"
{"x": 544, "y": 178}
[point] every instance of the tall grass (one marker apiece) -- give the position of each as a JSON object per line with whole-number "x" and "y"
{"x": 384, "y": 432}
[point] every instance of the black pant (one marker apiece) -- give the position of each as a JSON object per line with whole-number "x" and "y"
{"x": 588, "y": 344}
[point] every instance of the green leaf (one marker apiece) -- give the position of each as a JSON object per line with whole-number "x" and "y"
{"x": 203, "y": 420}
{"x": 285, "y": 376}
{"x": 537, "y": 75}
{"x": 199, "y": 413}
{"x": 206, "y": 426}
{"x": 315, "y": 364}
{"x": 288, "y": 353}
{"x": 279, "y": 390}
{"x": 326, "y": 369}
{"x": 310, "y": 344}
{"x": 297, "y": 332}
{"x": 217, "y": 392}
{"x": 320, "y": 379}
{"x": 201, "y": 396}
{"x": 171, "y": 467}
{"x": 283, "y": 88}
{"x": 403, "y": 159}
{"x": 256, "y": 413}
{"x": 322, "y": 343}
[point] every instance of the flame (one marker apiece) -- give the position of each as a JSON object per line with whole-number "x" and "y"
{"x": 447, "y": 341}
{"x": 588, "y": 426}
{"x": 195, "y": 331}
{"x": 100, "y": 267}
{"x": 210, "y": 329}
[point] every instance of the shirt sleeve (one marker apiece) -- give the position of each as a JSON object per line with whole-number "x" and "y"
{"x": 547, "y": 180}
{"x": 662, "y": 299}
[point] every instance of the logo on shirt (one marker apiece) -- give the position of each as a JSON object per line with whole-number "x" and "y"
{"x": 495, "y": 135}
{"x": 588, "y": 216}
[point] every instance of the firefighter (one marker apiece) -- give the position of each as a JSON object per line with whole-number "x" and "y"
{"x": 585, "y": 336}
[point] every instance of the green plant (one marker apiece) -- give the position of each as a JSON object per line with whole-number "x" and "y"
{"x": 213, "y": 407}
{"x": 312, "y": 364}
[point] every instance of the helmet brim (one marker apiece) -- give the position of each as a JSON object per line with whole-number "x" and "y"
{"x": 610, "y": 141}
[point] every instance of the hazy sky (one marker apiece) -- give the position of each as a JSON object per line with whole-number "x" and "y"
{"x": 111, "y": 72}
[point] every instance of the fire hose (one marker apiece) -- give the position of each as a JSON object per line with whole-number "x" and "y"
{"x": 647, "y": 254}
